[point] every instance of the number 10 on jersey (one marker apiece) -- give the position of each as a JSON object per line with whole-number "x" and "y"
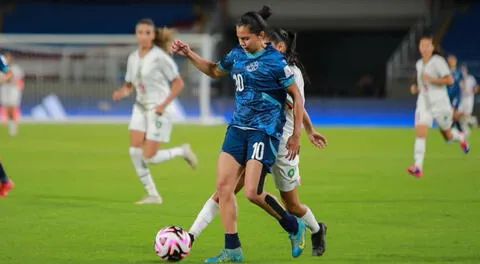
{"x": 238, "y": 82}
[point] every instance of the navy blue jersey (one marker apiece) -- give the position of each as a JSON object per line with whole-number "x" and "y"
{"x": 3, "y": 64}
{"x": 261, "y": 80}
{"x": 454, "y": 91}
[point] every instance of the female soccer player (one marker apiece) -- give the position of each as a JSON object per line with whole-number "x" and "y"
{"x": 154, "y": 75}
{"x": 454, "y": 91}
{"x": 262, "y": 77}
{"x": 285, "y": 172}
{"x": 433, "y": 76}
{"x": 11, "y": 95}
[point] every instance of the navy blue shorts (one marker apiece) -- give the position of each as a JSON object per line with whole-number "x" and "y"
{"x": 245, "y": 145}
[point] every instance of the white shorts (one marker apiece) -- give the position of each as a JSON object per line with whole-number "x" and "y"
{"x": 442, "y": 113}
{"x": 157, "y": 128}
{"x": 10, "y": 97}
{"x": 466, "y": 107}
{"x": 286, "y": 172}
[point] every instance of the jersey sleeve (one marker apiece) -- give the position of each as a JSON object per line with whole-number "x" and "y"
{"x": 226, "y": 63}
{"x": 169, "y": 68}
{"x": 442, "y": 67}
{"x": 128, "y": 73}
{"x": 283, "y": 74}
{"x": 3, "y": 65}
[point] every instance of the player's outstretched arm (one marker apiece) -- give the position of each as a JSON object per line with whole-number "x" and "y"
{"x": 316, "y": 138}
{"x": 293, "y": 144}
{"x": 210, "y": 68}
{"x": 123, "y": 92}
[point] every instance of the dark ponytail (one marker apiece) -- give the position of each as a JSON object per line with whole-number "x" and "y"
{"x": 290, "y": 39}
{"x": 256, "y": 21}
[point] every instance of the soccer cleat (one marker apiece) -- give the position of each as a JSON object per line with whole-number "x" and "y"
{"x": 151, "y": 199}
{"x": 464, "y": 144}
{"x": 228, "y": 255}
{"x": 298, "y": 240}
{"x": 415, "y": 171}
{"x": 190, "y": 156}
{"x": 319, "y": 244}
{"x": 5, "y": 188}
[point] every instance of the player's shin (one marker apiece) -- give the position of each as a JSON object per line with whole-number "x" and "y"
{"x": 204, "y": 218}
{"x": 136, "y": 154}
{"x": 419, "y": 152}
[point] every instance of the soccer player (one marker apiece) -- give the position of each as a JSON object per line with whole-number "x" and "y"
{"x": 11, "y": 94}
{"x": 469, "y": 89}
{"x": 433, "y": 76}
{"x": 454, "y": 91}
{"x": 285, "y": 172}
{"x": 154, "y": 75}
{"x": 262, "y": 77}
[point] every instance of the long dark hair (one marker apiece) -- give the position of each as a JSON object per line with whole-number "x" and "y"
{"x": 290, "y": 39}
{"x": 256, "y": 21}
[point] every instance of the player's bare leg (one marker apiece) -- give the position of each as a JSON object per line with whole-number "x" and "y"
{"x": 293, "y": 205}
{"x": 137, "y": 139}
{"x": 255, "y": 174}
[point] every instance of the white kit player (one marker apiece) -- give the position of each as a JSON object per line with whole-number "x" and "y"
{"x": 433, "y": 76}
{"x": 153, "y": 74}
{"x": 285, "y": 172}
{"x": 11, "y": 94}
{"x": 469, "y": 89}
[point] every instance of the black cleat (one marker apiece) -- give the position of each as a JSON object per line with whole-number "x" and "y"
{"x": 319, "y": 244}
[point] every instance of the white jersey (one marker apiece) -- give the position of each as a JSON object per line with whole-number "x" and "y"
{"x": 432, "y": 95}
{"x": 16, "y": 83}
{"x": 289, "y": 124}
{"x": 151, "y": 76}
{"x": 11, "y": 92}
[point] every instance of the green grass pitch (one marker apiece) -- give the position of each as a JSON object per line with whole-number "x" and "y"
{"x": 76, "y": 188}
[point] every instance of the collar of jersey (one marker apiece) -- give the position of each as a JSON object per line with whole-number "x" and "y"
{"x": 256, "y": 55}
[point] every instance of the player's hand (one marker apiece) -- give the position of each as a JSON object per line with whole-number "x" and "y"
{"x": 159, "y": 110}
{"x": 414, "y": 89}
{"x": 181, "y": 48}
{"x": 427, "y": 77}
{"x": 317, "y": 139}
{"x": 293, "y": 146}
{"x": 119, "y": 94}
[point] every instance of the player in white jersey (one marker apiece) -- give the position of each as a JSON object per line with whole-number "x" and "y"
{"x": 11, "y": 95}
{"x": 433, "y": 76}
{"x": 285, "y": 172}
{"x": 153, "y": 74}
{"x": 469, "y": 89}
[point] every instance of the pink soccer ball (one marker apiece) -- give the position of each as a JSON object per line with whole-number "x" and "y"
{"x": 172, "y": 243}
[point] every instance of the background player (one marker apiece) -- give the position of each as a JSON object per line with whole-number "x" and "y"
{"x": 454, "y": 91}
{"x": 151, "y": 71}
{"x": 285, "y": 172}
{"x": 469, "y": 89}
{"x": 262, "y": 77}
{"x": 11, "y": 94}
{"x": 433, "y": 76}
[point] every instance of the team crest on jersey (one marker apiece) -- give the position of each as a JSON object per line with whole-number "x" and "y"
{"x": 252, "y": 66}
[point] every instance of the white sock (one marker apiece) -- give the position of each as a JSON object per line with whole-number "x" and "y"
{"x": 204, "y": 218}
{"x": 136, "y": 154}
{"x": 419, "y": 153}
{"x": 12, "y": 128}
{"x": 166, "y": 154}
{"x": 456, "y": 136}
{"x": 311, "y": 221}
{"x": 465, "y": 126}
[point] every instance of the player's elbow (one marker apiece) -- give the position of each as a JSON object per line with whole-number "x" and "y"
{"x": 178, "y": 83}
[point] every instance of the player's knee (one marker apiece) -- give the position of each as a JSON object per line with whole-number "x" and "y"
{"x": 253, "y": 195}
{"x": 223, "y": 187}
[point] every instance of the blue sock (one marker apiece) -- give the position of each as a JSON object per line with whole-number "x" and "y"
{"x": 232, "y": 241}
{"x": 289, "y": 223}
{"x": 3, "y": 175}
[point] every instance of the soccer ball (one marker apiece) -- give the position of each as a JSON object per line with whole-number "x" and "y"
{"x": 172, "y": 243}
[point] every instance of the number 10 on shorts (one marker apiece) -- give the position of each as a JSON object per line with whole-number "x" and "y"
{"x": 258, "y": 149}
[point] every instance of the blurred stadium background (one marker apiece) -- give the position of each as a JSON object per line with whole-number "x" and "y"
{"x": 360, "y": 55}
